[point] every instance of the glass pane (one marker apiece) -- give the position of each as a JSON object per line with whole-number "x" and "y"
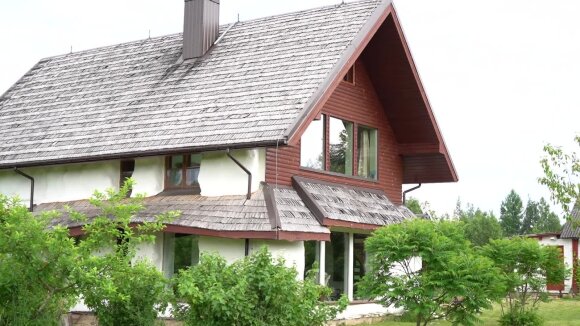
{"x": 310, "y": 256}
{"x": 192, "y": 172}
{"x": 186, "y": 252}
{"x": 340, "y": 140}
{"x": 336, "y": 263}
{"x": 175, "y": 170}
{"x": 312, "y": 145}
{"x": 360, "y": 260}
{"x": 367, "y": 152}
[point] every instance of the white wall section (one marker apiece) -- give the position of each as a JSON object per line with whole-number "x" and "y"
{"x": 61, "y": 182}
{"x": 149, "y": 175}
{"x": 219, "y": 175}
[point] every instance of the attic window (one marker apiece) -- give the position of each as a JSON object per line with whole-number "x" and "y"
{"x": 182, "y": 171}
{"x": 349, "y": 77}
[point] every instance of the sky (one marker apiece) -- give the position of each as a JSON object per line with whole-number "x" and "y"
{"x": 502, "y": 77}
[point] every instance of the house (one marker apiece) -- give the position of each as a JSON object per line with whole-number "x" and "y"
{"x": 567, "y": 243}
{"x": 294, "y": 131}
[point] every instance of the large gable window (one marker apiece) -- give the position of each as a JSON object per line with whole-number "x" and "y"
{"x": 182, "y": 172}
{"x": 329, "y": 144}
{"x": 367, "y": 152}
{"x": 340, "y": 144}
{"x": 312, "y": 145}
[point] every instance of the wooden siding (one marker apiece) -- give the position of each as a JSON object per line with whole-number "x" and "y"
{"x": 360, "y": 104}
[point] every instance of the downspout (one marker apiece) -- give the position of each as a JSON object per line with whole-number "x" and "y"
{"x": 409, "y": 190}
{"x": 31, "y": 187}
{"x": 247, "y": 248}
{"x": 249, "y": 194}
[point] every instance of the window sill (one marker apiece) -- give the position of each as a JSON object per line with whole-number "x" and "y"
{"x": 335, "y": 174}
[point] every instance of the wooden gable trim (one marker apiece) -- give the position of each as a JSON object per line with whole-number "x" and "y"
{"x": 317, "y": 101}
{"x": 424, "y": 95}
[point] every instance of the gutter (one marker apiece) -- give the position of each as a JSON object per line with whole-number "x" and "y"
{"x": 30, "y": 208}
{"x": 249, "y": 194}
{"x": 409, "y": 190}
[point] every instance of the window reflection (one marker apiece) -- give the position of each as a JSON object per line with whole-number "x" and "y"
{"x": 340, "y": 143}
{"x": 312, "y": 145}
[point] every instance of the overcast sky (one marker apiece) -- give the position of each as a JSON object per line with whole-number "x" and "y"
{"x": 503, "y": 77}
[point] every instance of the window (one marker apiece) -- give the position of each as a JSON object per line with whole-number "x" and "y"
{"x": 182, "y": 172}
{"x": 328, "y": 144}
{"x": 127, "y": 168}
{"x": 349, "y": 77}
{"x": 367, "y": 152}
{"x": 336, "y": 264}
{"x": 340, "y": 141}
{"x": 312, "y": 145}
{"x": 180, "y": 251}
{"x": 359, "y": 260}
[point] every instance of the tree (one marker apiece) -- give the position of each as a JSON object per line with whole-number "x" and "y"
{"x": 454, "y": 283}
{"x": 526, "y": 268}
{"x": 511, "y": 214}
{"x": 549, "y": 221}
{"x": 118, "y": 288}
{"x": 562, "y": 175}
{"x": 414, "y": 206}
{"x": 481, "y": 227}
{"x": 257, "y": 290}
{"x": 531, "y": 218}
{"x": 37, "y": 262}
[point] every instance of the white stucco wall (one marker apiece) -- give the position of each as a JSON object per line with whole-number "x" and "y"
{"x": 568, "y": 257}
{"x": 230, "y": 249}
{"x": 61, "y": 182}
{"x": 152, "y": 251}
{"x": 219, "y": 175}
{"x": 149, "y": 175}
{"x": 291, "y": 251}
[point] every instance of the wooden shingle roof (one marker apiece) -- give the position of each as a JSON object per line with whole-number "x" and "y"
{"x": 571, "y": 229}
{"x": 140, "y": 98}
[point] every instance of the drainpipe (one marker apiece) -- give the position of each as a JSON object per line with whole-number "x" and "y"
{"x": 247, "y": 249}
{"x": 409, "y": 190}
{"x": 31, "y": 187}
{"x": 249, "y": 194}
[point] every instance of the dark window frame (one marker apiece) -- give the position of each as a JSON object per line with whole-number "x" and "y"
{"x": 186, "y": 157}
{"x": 326, "y": 153}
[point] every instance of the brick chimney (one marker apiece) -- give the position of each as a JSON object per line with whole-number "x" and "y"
{"x": 200, "y": 27}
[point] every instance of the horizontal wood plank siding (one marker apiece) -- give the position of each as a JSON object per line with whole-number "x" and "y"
{"x": 358, "y": 103}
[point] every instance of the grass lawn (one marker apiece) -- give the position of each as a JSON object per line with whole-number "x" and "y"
{"x": 558, "y": 312}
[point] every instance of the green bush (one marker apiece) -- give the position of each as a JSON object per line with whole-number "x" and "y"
{"x": 257, "y": 290}
{"x": 120, "y": 290}
{"x": 521, "y": 318}
{"x": 36, "y": 267}
{"x": 526, "y": 268}
{"x": 453, "y": 283}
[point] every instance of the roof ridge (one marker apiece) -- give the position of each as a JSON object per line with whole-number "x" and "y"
{"x": 221, "y": 26}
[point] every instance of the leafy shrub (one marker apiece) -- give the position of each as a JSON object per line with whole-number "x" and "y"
{"x": 119, "y": 290}
{"x": 526, "y": 268}
{"x": 454, "y": 282}
{"x": 521, "y": 318}
{"x": 36, "y": 267}
{"x": 257, "y": 290}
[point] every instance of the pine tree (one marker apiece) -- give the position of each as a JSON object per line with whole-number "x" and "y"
{"x": 511, "y": 214}
{"x": 549, "y": 221}
{"x": 531, "y": 218}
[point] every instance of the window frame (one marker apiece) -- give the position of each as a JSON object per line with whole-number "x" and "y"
{"x": 326, "y": 153}
{"x": 167, "y": 185}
